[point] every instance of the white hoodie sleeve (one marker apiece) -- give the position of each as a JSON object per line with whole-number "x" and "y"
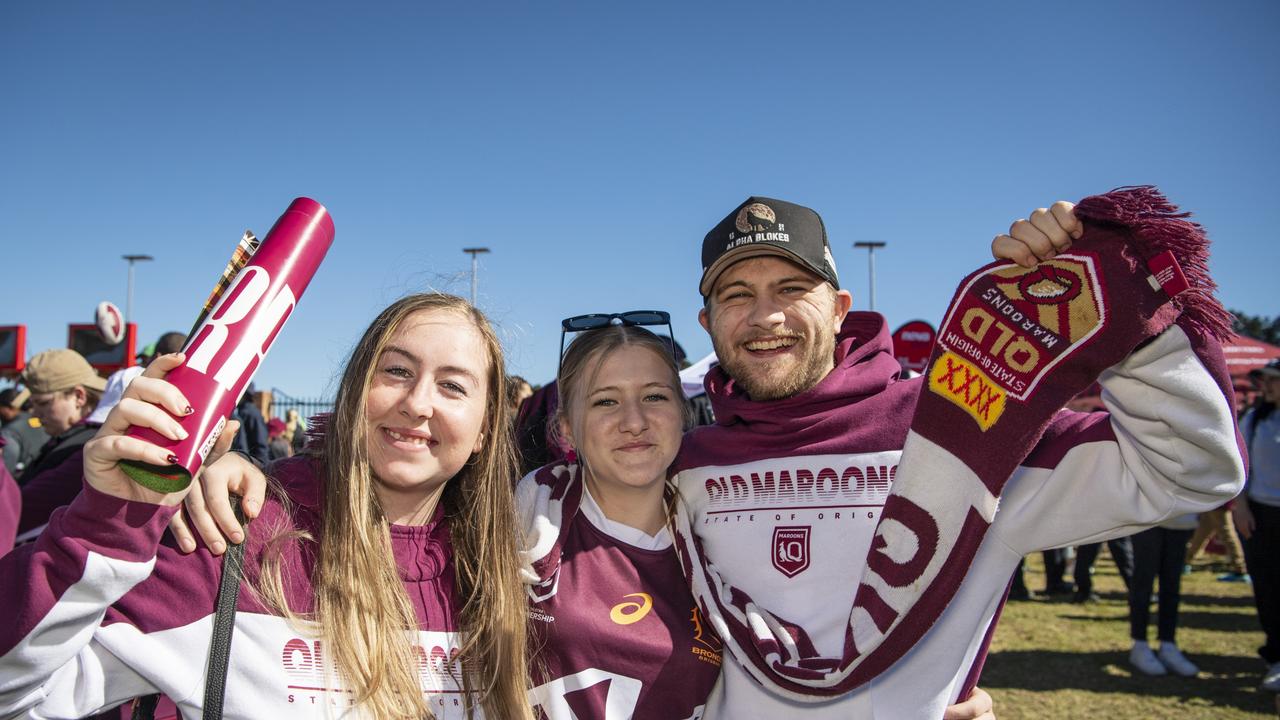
{"x": 1169, "y": 446}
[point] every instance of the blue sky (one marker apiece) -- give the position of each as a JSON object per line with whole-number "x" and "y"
{"x": 591, "y": 145}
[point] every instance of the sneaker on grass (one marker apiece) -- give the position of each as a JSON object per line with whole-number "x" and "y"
{"x": 1173, "y": 659}
{"x": 1271, "y": 681}
{"x": 1145, "y": 660}
{"x": 1235, "y": 577}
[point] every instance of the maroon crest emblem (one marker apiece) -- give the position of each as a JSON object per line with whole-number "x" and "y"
{"x": 791, "y": 550}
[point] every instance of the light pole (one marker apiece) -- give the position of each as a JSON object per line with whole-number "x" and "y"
{"x": 473, "y": 252}
{"x": 128, "y": 305}
{"x": 871, "y": 266}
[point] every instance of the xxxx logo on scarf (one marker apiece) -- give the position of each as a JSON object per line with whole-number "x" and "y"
{"x": 1009, "y": 326}
{"x": 791, "y": 550}
{"x": 961, "y": 382}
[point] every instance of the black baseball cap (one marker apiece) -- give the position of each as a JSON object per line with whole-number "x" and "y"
{"x": 1271, "y": 369}
{"x": 764, "y": 226}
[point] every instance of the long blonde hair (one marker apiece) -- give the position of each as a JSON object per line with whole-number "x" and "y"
{"x": 361, "y": 606}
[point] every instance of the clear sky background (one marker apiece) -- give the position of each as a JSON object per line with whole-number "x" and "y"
{"x": 592, "y": 144}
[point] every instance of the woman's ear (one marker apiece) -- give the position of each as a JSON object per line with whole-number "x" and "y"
{"x": 566, "y": 431}
{"x": 479, "y": 444}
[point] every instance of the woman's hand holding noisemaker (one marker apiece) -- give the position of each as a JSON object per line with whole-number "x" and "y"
{"x": 208, "y": 507}
{"x": 148, "y": 402}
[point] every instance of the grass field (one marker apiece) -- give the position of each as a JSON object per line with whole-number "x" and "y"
{"x": 1054, "y": 659}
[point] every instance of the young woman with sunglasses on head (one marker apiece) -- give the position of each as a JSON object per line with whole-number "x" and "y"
{"x": 614, "y": 625}
{"x": 387, "y": 583}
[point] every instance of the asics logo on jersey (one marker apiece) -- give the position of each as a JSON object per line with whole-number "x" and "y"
{"x": 628, "y": 613}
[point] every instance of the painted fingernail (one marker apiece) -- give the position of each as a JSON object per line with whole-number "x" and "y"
{"x": 173, "y": 459}
{"x": 188, "y": 410}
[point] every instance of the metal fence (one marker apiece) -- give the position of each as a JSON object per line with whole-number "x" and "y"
{"x": 282, "y": 403}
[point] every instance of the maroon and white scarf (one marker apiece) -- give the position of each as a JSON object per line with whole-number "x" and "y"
{"x": 1016, "y": 344}
{"x": 547, "y": 501}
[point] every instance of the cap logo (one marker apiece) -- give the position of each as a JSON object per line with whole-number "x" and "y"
{"x": 756, "y": 217}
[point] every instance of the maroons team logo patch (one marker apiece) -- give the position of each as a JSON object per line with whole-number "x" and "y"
{"x": 791, "y": 550}
{"x": 1009, "y": 326}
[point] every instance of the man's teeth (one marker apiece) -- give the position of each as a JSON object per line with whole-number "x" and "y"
{"x": 406, "y": 438}
{"x": 773, "y": 344}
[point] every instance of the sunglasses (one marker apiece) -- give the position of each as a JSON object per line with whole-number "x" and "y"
{"x": 595, "y": 321}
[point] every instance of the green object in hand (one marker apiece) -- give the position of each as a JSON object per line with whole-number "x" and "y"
{"x": 161, "y": 478}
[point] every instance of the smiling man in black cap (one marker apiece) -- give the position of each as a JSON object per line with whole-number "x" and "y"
{"x": 781, "y": 497}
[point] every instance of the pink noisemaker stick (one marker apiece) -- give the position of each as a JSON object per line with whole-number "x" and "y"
{"x": 228, "y": 345}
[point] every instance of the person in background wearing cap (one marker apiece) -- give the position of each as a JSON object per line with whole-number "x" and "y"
{"x": 169, "y": 343}
{"x": 1257, "y": 514}
{"x": 23, "y": 436}
{"x": 65, "y": 389}
{"x": 47, "y": 486}
{"x": 783, "y": 493}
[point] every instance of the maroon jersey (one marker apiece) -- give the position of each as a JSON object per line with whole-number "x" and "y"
{"x": 617, "y": 632}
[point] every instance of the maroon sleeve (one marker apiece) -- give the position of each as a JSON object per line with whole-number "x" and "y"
{"x": 10, "y": 506}
{"x": 50, "y": 490}
{"x": 34, "y": 577}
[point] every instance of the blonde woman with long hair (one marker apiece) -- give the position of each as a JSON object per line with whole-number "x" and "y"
{"x": 385, "y": 586}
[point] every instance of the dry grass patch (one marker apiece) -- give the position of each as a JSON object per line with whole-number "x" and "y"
{"x": 1054, "y": 659}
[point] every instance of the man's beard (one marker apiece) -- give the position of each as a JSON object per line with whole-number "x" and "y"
{"x": 764, "y": 386}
